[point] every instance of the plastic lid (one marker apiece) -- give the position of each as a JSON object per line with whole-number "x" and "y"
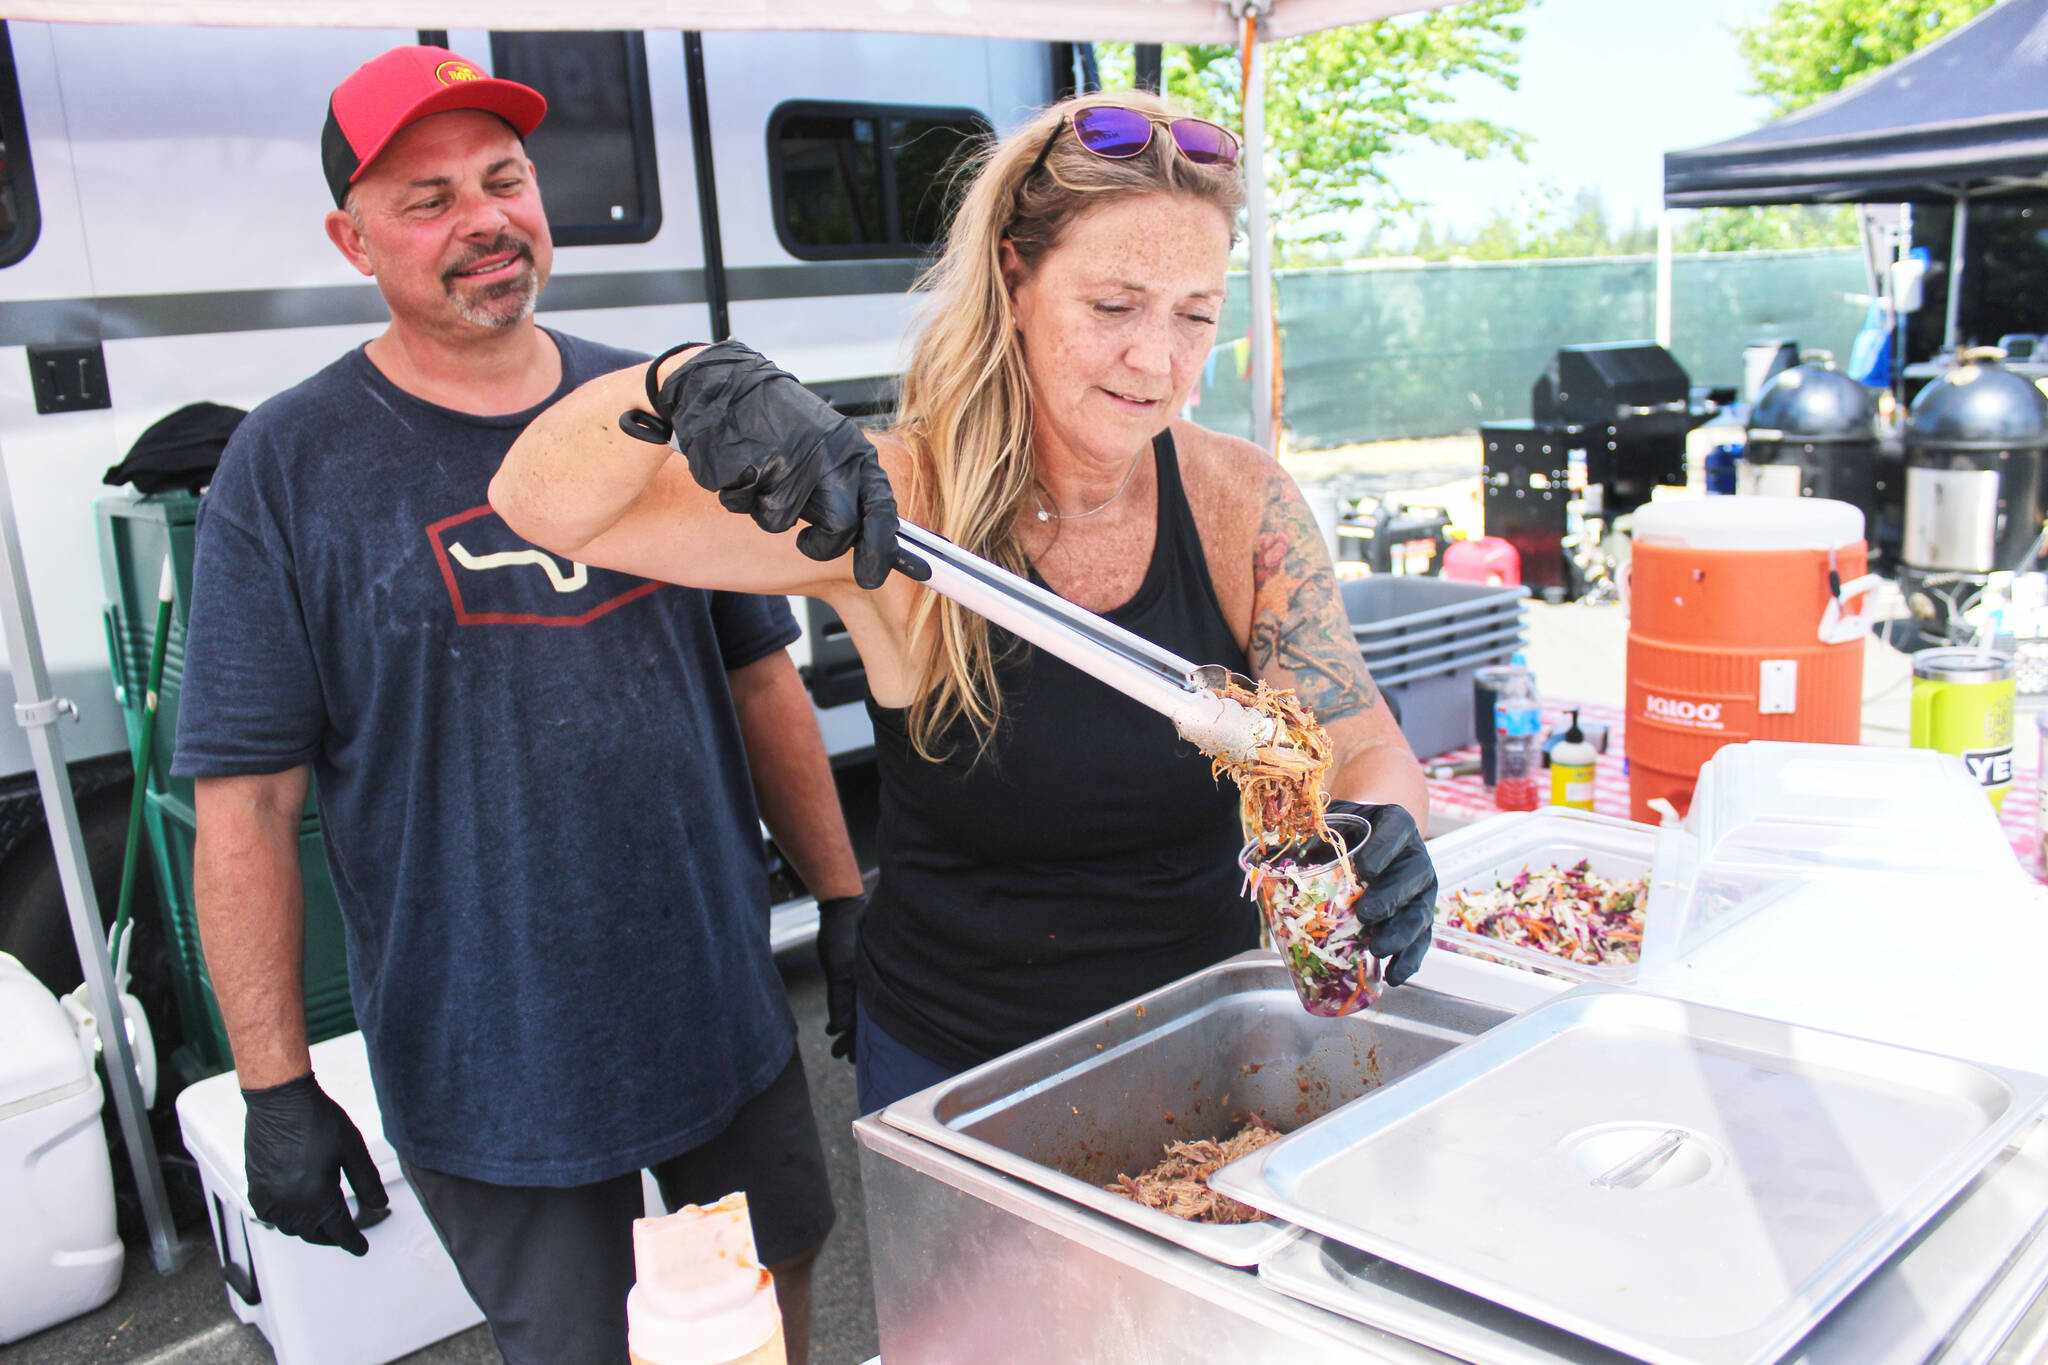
{"x": 42, "y": 1058}
{"x": 1871, "y": 808}
{"x": 1750, "y": 523}
{"x": 1574, "y": 735}
{"x": 1961, "y": 664}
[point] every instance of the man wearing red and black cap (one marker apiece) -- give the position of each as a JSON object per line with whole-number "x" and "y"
{"x": 533, "y": 777}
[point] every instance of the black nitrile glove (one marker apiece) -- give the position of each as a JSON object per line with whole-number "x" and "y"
{"x": 838, "y": 944}
{"x": 774, "y": 450}
{"x": 1397, "y": 910}
{"x": 297, "y": 1144}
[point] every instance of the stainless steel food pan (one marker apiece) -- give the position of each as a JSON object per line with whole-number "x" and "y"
{"x": 1191, "y": 1060}
{"x": 1685, "y": 1184}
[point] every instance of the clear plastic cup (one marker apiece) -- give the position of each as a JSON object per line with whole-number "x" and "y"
{"x": 1307, "y": 893}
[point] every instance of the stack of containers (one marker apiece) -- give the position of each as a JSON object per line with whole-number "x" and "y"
{"x": 1770, "y": 821}
{"x": 1423, "y": 639}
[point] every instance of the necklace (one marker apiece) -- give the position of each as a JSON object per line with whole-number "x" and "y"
{"x": 1044, "y": 515}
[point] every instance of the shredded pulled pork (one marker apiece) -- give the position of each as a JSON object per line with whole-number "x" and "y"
{"x": 1179, "y": 1184}
{"x": 1281, "y": 789}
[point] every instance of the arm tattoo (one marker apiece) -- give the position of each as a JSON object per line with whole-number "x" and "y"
{"x": 1300, "y": 637}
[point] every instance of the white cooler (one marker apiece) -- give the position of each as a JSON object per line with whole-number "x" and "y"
{"x": 319, "y": 1305}
{"x": 59, "y": 1252}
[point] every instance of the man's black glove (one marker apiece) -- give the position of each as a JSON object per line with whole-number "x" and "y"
{"x": 1397, "y": 910}
{"x": 838, "y": 945}
{"x": 774, "y": 450}
{"x": 297, "y": 1144}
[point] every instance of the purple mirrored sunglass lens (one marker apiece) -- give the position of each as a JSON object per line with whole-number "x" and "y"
{"x": 1204, "y": 143}
{"x": 1109, "y": 131}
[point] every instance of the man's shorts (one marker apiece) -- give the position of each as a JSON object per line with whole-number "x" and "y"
{"x": 550, "y": 1267}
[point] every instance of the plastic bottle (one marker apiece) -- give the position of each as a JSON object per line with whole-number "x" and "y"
{"x": 1571, "y": 769}
{"x": 702, "y": 1296}
{"x": 1517, "y": 739}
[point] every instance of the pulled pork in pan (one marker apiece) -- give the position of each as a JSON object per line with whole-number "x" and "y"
{"x": 1179, "y": 1183}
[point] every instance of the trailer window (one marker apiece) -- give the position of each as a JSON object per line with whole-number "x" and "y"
{"x": 20, "y": 216}
{"x": 865, "y": 180}
{"x": 594, "y": 153}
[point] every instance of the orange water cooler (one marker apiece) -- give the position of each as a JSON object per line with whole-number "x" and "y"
{"x": 1740, "y": 627}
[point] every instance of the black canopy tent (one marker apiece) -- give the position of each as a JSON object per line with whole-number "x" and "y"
{"x": 1962, "y": 120}
{"x": 1964, "y": 117}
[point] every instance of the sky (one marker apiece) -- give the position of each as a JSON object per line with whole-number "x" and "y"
{"x": 1608, "y": 86}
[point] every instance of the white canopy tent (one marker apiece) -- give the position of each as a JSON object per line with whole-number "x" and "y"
{"x": 1250, "y": 23}
{"x": 1138, "y": 21}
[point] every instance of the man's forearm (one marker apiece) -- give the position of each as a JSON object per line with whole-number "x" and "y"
{"x": 252, "y": 918}
{"x": 793, "y": 777}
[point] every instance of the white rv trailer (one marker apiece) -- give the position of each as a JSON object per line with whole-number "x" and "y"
{"x": 162, "y": 244}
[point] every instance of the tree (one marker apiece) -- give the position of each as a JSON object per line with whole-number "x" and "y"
{"x": 1540, "y": 223}
{"x": 1804, "y": 49}
{"x": 1775, "y": 228}
{"x": 1338, "y": 102}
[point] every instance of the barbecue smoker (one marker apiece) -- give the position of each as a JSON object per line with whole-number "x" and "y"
{"x": 1974, "y": 443}
{"x": 1607, "y": 425}
{"x": 1813, "y": 434}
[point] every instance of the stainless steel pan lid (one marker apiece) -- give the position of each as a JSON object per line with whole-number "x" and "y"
{"x": 1682, "y": 1183}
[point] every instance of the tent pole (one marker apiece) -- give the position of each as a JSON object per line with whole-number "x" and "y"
{"x": 1259, "y": 246}
{"x": 1901, "y": 250}
{"x": 1665, "y": 235}
{"x": 1957, "y": 238}
{"x": 37, "y": 713}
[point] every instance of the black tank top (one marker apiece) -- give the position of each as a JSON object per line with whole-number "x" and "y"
{"x": 1088, "y": 855}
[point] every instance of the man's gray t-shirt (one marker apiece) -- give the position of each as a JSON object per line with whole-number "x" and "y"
{"x": 531, "y": 783}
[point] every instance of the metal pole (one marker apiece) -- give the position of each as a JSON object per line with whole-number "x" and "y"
{"x": 1957, "y": 238}
{"x": 1260, "y": 245}
{"x": 37, "y": 713}
{"x": 715, "y": 285}
{"x": 1665, "y": 244}
{"x": 1901, "y": 250}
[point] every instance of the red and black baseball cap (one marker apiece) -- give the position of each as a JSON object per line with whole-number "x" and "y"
{"x": 388, "y": 93}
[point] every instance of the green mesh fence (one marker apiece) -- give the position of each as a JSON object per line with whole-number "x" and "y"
{"x": 1431, "y": 350}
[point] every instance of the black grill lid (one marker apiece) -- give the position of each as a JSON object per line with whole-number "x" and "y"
{"x": 1978, "y": 404}
{"x": 1812, "y": 403}
{"x": 1603, "y": 383}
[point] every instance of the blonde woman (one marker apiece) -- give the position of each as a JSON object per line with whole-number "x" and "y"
{"x": 1048, "y": 848}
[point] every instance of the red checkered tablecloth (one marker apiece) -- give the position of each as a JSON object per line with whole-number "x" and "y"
{"x": 1469, "y": 799}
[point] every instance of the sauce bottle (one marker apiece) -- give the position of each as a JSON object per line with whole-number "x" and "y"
{"x": 702, "y": 1296}
{"x": 1571, "y": 769}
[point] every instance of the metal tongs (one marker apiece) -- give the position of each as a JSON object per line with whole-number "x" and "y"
{"x": 1185, "y": 693}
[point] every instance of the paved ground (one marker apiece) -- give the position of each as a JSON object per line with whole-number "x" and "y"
{"x": 183, "y": 1319}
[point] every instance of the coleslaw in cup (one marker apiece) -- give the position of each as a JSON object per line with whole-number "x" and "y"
{"x": 1307, "y": 892}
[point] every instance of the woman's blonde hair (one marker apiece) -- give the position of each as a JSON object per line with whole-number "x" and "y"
{"x": 965, "y": 413}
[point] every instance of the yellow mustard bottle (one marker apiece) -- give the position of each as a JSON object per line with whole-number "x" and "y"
{"x": 1571, "y": 769}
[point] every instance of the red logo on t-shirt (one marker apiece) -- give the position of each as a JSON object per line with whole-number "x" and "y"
{"x": 495, "y": 578}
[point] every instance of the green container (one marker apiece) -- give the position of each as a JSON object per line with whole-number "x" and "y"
{"x": 135, "y": 533}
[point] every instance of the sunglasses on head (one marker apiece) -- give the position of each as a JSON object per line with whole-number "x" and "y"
{"x": 1113, "y": 131}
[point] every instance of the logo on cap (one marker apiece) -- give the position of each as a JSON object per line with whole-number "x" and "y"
{"x": 448, "y": 73}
